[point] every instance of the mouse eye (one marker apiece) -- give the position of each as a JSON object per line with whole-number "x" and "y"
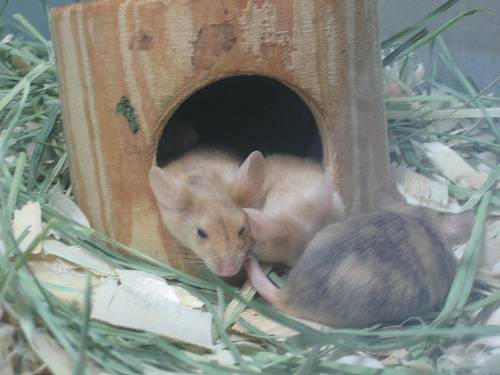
{"x": 202, "y": 233}
{"x": 242, "y": 229}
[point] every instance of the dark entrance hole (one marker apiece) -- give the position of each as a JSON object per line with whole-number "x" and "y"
{"x": 243, "y": 114}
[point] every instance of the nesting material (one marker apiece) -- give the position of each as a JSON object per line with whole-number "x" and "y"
{"x": 453, "y": 166}
{"x": 247, "y": 340}
{"x": 27, "y": 222}
{"x": 148, "y": 303}
{"x": 61, "y": 279}
{"x": 66, "y": 206}
{"x": 420, "y": 190}
{"x": 53, "y": 354}
{"x": 79, "y": 256}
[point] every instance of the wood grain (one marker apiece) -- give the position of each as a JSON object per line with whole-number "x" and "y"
{"x": 158, "y": 52}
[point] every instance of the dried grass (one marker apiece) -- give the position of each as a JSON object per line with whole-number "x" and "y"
{"x": 37, "y": 317}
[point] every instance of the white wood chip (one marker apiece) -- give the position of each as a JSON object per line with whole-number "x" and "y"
{"x": 445, "y": 126}
{"x": 79, "y": 256}
{"x": 485, "y": 359}
{"x": 220, "y": 355}
{"x": 493, "y": 341}
{"x": 145, "y": 284}
{"x": 63, "y": 204}
{"x": 29, "y": 218}
{"x": 491, "y": 363}
{"x": 496, "y": 269}
{"x": 59, "y": 362}
{"x": 61, "y": 279}
{"x": 146, "y": 302}
{"x": 7, "y": 38}
{"x": 150, "y": 370}
{"x": 420, "y": 190}
{"x": 7, "y": 344}
{"x": 458, "y": 252}
{"x": 488, "y": 160}
{"x": 360, "y": 360}
{"x": 269, "y": 326}
{"x": 10, "y": 161}
{"x": 489, "y": 157}
{"x": 419, "y": 72}
{"x": 396, "y": 357}
{"x": 266, "y": 325}
{"x": 453, "y": 166}
{"x": 461, "y": 355}
{"x": 187, "y": 298}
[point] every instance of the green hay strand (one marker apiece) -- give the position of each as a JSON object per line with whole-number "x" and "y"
{"x": 33, "y": 160}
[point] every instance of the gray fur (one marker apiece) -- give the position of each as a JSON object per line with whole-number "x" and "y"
{"x": 380, "y": 267}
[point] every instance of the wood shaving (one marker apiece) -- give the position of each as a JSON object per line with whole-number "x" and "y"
{"x": 28, "y": 218}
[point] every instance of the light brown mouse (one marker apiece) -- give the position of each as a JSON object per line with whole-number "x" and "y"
{"x": 201, "y": 195}
{"x": 300, "y": 200}
{"x": 380, "y": 267}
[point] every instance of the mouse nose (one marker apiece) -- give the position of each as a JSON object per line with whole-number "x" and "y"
{"x": 226, "y": 267}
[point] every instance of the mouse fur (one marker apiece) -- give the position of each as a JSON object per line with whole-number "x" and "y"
{"x": 200, "y": 196}
{"x": 379, "y": 267}
{"x": 300, "y": 200}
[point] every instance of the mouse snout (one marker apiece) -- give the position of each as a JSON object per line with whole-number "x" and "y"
{"x": 227, "y": 266}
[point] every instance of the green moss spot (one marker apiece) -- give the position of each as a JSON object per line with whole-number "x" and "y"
{"x": 126, "y": 110}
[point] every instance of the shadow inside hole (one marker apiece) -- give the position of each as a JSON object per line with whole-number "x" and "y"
{"x": 242, "y": 114}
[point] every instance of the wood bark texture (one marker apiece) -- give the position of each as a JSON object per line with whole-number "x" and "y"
{"x": 156, "y": 53}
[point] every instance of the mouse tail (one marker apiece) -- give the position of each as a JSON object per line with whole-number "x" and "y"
{"x": 261, "y": 283}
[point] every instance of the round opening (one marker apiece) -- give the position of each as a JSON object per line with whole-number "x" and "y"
{"x": 243, "y": 114}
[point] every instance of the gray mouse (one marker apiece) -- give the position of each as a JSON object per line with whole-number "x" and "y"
{"x": 380, "y": 267}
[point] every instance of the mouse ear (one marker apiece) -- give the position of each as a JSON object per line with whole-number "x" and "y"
{"x": 456, "y": 228}
{"x": 387, "y": 195}
{"x": 263, "y": 226}
{"x": 260, "y": 223}
{"x": 169, "y": 191}
{"x": 249, "y": 180}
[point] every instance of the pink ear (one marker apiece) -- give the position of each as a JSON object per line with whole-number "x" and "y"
{"x": 456, "y": 228}
{"x": 170, "y": 193}
{"x": 260, "y": 224}
{"x": 249, "y": 180}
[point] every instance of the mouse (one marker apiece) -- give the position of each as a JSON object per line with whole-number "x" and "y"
{"x": 200, "y": 196}
{"x": 381, "y": 267}
{"x": 300, "y": 200}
